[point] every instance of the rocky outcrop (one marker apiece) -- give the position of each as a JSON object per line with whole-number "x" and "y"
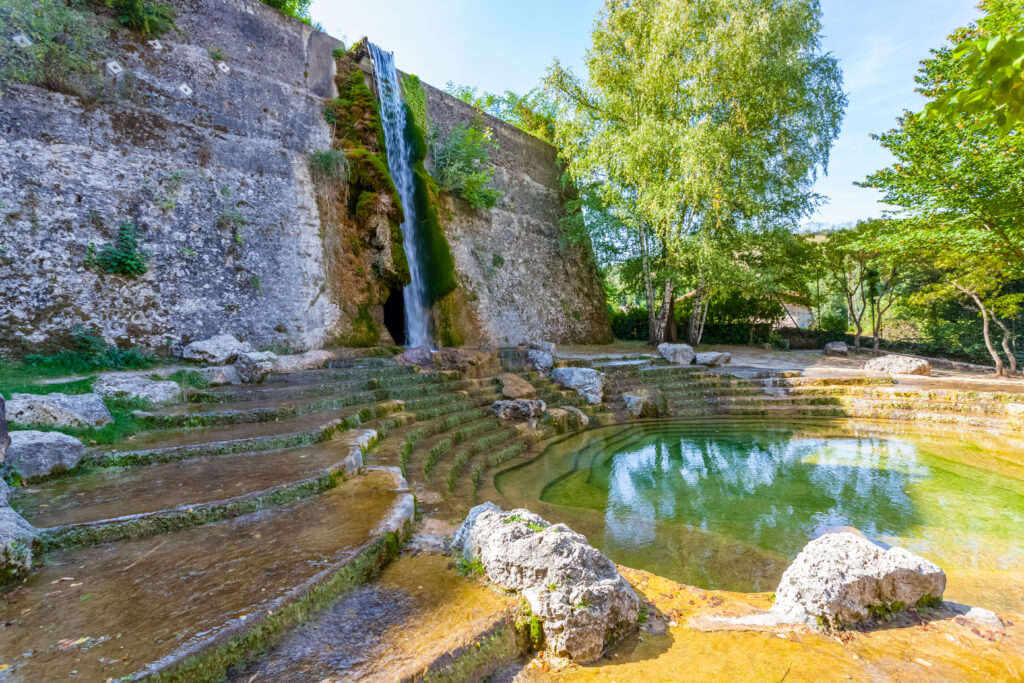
{"x": 843, "y": 578}
{"x": 119, "y": 385}
{"x": 58, "y": 410}
{"x": 681, "y": 354}
{"x": 644, "y": 403}
{"x": 894, "y": 364}
{"x": 514, "y": 386}
{"x": 576, "y": 592}
{"x": 310, "y": 360}
{"x": 712, "y": 359}
{"x": 837, "y": 348}
{"x": 416, "y": 355}
{"x": 36, "y": 454}
{"x": 15, "y": 546}
{"x": 253, "y": 367}
{"x": 220, "y": 374}
{"x": 469, "y": 362}
{"x": 5, "y": 440}
{"x": 519, "y": 409}
{"x": 218, "y": 350}
{"x": 539, "y": 356}
{"x": 587, "y": 382}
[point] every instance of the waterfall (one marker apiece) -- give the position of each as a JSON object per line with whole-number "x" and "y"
{"x": 392, "y": 118}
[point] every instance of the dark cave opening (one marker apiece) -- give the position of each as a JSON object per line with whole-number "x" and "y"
{"x": 394, "y": 315}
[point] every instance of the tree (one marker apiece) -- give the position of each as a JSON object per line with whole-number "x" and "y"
{"x": 698, "y": 119}
{"x": 959, "y": 180}
{"x": 847, "y": 265}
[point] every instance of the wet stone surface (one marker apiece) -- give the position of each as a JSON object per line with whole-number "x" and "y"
{"x": 108, "y": 611}
{"x": 109, "y": 493}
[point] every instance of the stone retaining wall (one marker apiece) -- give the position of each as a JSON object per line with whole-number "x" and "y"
{"x": 202, "y": 144}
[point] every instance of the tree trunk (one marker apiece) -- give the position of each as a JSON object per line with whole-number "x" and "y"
{"x": 987, "y": 332}
{"x": 648, "y": 286}
{"x": 663, "y": 314}
{"x": 671, "y": 332}
{"x": 1006, "y": 346}
{"x": 697, "y": 315}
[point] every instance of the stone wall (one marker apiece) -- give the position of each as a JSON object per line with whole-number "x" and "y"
{"x": 215, "y": 178}
{"x": 521, "y": 282}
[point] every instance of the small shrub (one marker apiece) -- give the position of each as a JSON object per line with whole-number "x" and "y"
{"x": 142, "y": 16}
{"x": 535, "y": 527}
{"x": 66, "y": 45}
{"x": 328, "y": 166}
{"x": 123, "y": 257}
{"x": 462, "y": 163}
{"x": 189, "y": 379}
{"x": 299, "y": 9}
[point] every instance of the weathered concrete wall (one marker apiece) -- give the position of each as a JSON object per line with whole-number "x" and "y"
{"x": 519, "y": 282}
{"x": 240, "y": 250}
{"x": 216, "y": 181}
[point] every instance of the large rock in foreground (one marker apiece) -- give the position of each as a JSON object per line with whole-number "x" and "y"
{"x": 58, "y": 410}
{"x": 843, "y": 578}
{"x": 578, "y": 593}
{"x": 682, "y": 354}
{"x": 36, "y": 454}
{"x": 899, "y": 365}
{"x": 587, "y": 382}
{"x": 116, "y": 385}
{"x": 216, "y": 350}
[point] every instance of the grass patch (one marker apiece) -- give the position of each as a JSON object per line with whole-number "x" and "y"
{"x": 469, "y": 566}
{"x": 124, "y": 425}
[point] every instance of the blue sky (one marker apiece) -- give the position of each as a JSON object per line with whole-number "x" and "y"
{"x": 498, "y": 45}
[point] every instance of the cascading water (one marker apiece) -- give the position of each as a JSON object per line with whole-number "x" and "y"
{"x": 392, "y": 116}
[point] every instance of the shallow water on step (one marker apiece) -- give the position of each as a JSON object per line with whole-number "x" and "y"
{"x": 108, "y": 493}
{"x": 106, "y": 611}
{"x": 170, "y": 438}
{"x": 418, "y": 610}
{"x": 728, "y": 504}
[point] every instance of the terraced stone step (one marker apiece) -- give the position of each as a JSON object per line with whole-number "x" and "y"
{"x": 167, "y": 445}
{"x": 145, "y": 606}
{"x": 880, "y": 413}
{"x": 419, "y": 619}
{"x": 186, "y": 487}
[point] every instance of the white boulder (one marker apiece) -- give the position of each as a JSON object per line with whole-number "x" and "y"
{"x": 899, "y": 365}
{"x": 217, "y": 350}
{"x": 519, "y": 409}
{"x": 843, "y": 578}
{"x": 218, "y": 375}
{"x": 15, "y": 546}
{"x": 416, "y": 355}
{"x": 58, "y": 410}
{"x": 117, "y": 385}
{"x": 576, "y": 592}
{"x": 837, "y": 348}
{"x": 253, "y": 367}
{"x": 309, "y": 360}
{"x": 713, "y": 359}
{"x": 682, "y": 354}
{"x": 36, "y": 454}
{"x": 587, "y": 382}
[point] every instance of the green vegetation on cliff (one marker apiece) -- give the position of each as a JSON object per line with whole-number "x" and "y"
{"x": 438, "y": 264}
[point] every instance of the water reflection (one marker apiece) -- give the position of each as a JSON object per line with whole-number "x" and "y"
{"x": 728, "y": 506}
